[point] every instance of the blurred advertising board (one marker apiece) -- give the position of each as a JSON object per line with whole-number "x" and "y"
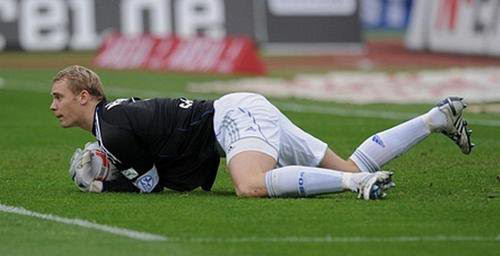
{"x": 385, "y": 14}
{"x": 55, "y": 25}
{"x": 228, "y": 55}
{"x": 455, "y": 26}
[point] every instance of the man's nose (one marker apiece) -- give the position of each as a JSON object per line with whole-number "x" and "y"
{"x": 53, "y": 106}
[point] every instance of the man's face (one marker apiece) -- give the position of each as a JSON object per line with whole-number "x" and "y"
{"x": 65, "y": 104}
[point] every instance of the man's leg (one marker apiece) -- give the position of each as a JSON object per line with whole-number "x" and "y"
{"x": 253, "y": 176}
{"x": 298, "y": 147}
{"x": 248, "y": 170}
{"x": 333, "y": 162}
{"x": 255, "y": 135}
{"x": 382, "y": 147}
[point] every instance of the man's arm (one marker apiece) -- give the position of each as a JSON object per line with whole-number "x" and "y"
{"x": 121, "y": 184}
{"x": 120, "y": 131}
{"x": 92, "y": 171}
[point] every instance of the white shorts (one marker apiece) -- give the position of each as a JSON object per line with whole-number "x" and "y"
{"x": 249, "y": 122}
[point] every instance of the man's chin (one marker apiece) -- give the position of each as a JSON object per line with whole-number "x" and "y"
{"x": 64, "y": 125}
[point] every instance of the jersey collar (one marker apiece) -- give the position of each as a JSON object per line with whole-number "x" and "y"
{"x": 98, "y": 111}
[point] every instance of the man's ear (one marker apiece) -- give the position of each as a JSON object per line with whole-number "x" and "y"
{"x": 84, "y": 97}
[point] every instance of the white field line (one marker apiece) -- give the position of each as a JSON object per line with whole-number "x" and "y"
{"x": 322, "y": 239}
{"x": 2, "y": 83}
{"x": 333, "y": 239}
{"x": 293, "y": 107}
{"x": 85, "y": 224}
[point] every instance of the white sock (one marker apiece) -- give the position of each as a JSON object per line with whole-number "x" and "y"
{"x": 435, "y": 119}
{"x": 384, "y": 146}
{"x": 302, "y": 181}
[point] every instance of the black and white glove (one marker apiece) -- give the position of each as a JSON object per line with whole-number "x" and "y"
{"x": 90, "y": 167}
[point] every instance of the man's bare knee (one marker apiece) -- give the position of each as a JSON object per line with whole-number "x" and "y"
{"x": 248, "y": 170}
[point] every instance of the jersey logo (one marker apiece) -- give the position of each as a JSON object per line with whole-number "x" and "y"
{"x": 146, "y": 183}
{"x": 185, "y": 103}
{"x": 130, "y": 173}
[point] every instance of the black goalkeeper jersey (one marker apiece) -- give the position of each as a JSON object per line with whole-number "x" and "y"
{"x": 174, "y": 135}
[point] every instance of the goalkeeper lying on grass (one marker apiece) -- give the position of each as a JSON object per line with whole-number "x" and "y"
{"x": 176, "y": 143}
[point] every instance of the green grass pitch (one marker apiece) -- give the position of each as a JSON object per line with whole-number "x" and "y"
{"x": 445, "y": 203}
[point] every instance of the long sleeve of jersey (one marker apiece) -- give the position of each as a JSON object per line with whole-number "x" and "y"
{"x": 122, "y": 184}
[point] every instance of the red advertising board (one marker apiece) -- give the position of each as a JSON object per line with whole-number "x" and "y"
{"x": 230, "y": 55}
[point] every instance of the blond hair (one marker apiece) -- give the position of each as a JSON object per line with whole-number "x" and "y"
{"x": 81, "y": 78}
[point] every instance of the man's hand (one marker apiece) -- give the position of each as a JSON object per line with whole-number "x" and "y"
{"x": 90, "y": 167}
{"x": 96, "y": 186}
